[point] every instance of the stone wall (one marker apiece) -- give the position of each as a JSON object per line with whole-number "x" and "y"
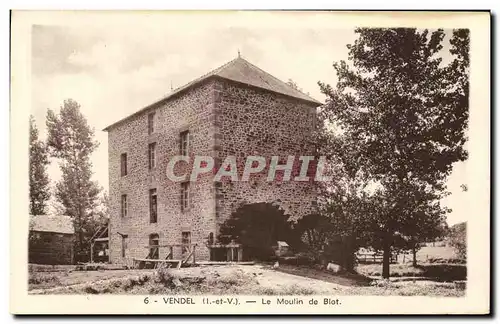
{"x": 191, "y": 111}
{"x": 223, "y": 118}
{"x": 251, "y": 121}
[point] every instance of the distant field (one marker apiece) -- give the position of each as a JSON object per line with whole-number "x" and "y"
{"x": 435, "y": 252}
{"x": 437, "y": 262}
{"x": 427, "y": 254}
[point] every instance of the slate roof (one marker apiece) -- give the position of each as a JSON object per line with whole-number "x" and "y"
{"x": 239, "y": 70}
{"x": 52, "y": 223}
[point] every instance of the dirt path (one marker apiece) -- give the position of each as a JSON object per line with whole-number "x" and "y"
{"x": 266, "y": 277}
{"x": 273, "y": 279}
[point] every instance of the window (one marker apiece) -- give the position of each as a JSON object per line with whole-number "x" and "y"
{"x": 154, "y": 249}
{"x": 184, "y": 196}
{"x": 153, "y": 207}
{"x": 123, "y": 164}
{"x": 186, "y": 241}
{"x": 152, "y": 155}
{"x": 184, "y": 143}
{"x": 151, "y": 123}
{"x": 124, "y": 206}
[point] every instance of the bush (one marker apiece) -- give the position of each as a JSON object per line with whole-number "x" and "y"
{"x": 446, "y": 261}
{"x": 165, "y": 277}
{"x": 458, "y": 239}
{"x": 37, "y": 278}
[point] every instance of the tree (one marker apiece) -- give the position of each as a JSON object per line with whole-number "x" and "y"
{"x": 258, "y": 227}
{"x": 39, "y": 180}
{"x": 407, "y": 113}
{"x": 424, "y": 218}
{"x": 101, "y": 211}
{"x": 458, "y": 239}
{"x": 70, "y": 139}
{"x": 344, "y": 201}
{"x": 314, "y": 229}
{"x": 349, "y": 210}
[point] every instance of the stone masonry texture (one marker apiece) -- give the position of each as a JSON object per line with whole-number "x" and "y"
{"x": 223, "y": 118}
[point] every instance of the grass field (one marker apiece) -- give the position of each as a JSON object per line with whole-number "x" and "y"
{"x": 435, "y": 262}
{"x": 427, "y": 253}
{"x": 436, "y": 272}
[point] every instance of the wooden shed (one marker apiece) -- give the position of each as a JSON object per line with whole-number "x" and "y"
{"x": 51, "y": 239}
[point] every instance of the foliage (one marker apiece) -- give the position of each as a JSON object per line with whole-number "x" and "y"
{"x": 42, "y": 279}
{"x": 70, "y": 139}
{"x": 458, "y": 239}
{"x": 319, "y": 242}
{"x": 258, "y": 227}
{"x": 314, "y": 230}
{"x": 400, "y": 118}
{"x": 34, "y": 238}
{"x": 39, "y": 180}
{"x": 424, "y": 218}
{"x": 351, "y": 212}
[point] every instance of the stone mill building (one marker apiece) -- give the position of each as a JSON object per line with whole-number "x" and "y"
{"x": 238, "y": 110}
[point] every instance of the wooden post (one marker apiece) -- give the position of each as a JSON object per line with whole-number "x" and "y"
{"x": 240, "y": 254}
{"x": 92, "y": 252}
{"x": 72, "y": 251}
{"x": 194, "y": 254}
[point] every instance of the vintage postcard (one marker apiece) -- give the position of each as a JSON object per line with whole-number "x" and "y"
{"x": 250, "y": 162}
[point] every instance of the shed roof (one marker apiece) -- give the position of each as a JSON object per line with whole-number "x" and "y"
{"x": 283, "y": 244}
{"x": 242, "y": 71}
{"x": 52, "y": 223}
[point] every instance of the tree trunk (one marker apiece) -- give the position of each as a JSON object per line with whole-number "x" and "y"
{"x": 387, "y": 257}
{"x": 414, "y": 250}
{"x": 348, "y": 253}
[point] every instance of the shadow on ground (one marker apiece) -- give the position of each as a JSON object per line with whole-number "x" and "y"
{"x": 444, "y": 272}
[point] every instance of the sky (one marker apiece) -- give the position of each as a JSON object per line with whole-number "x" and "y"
{"x": 115, "y": 64}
